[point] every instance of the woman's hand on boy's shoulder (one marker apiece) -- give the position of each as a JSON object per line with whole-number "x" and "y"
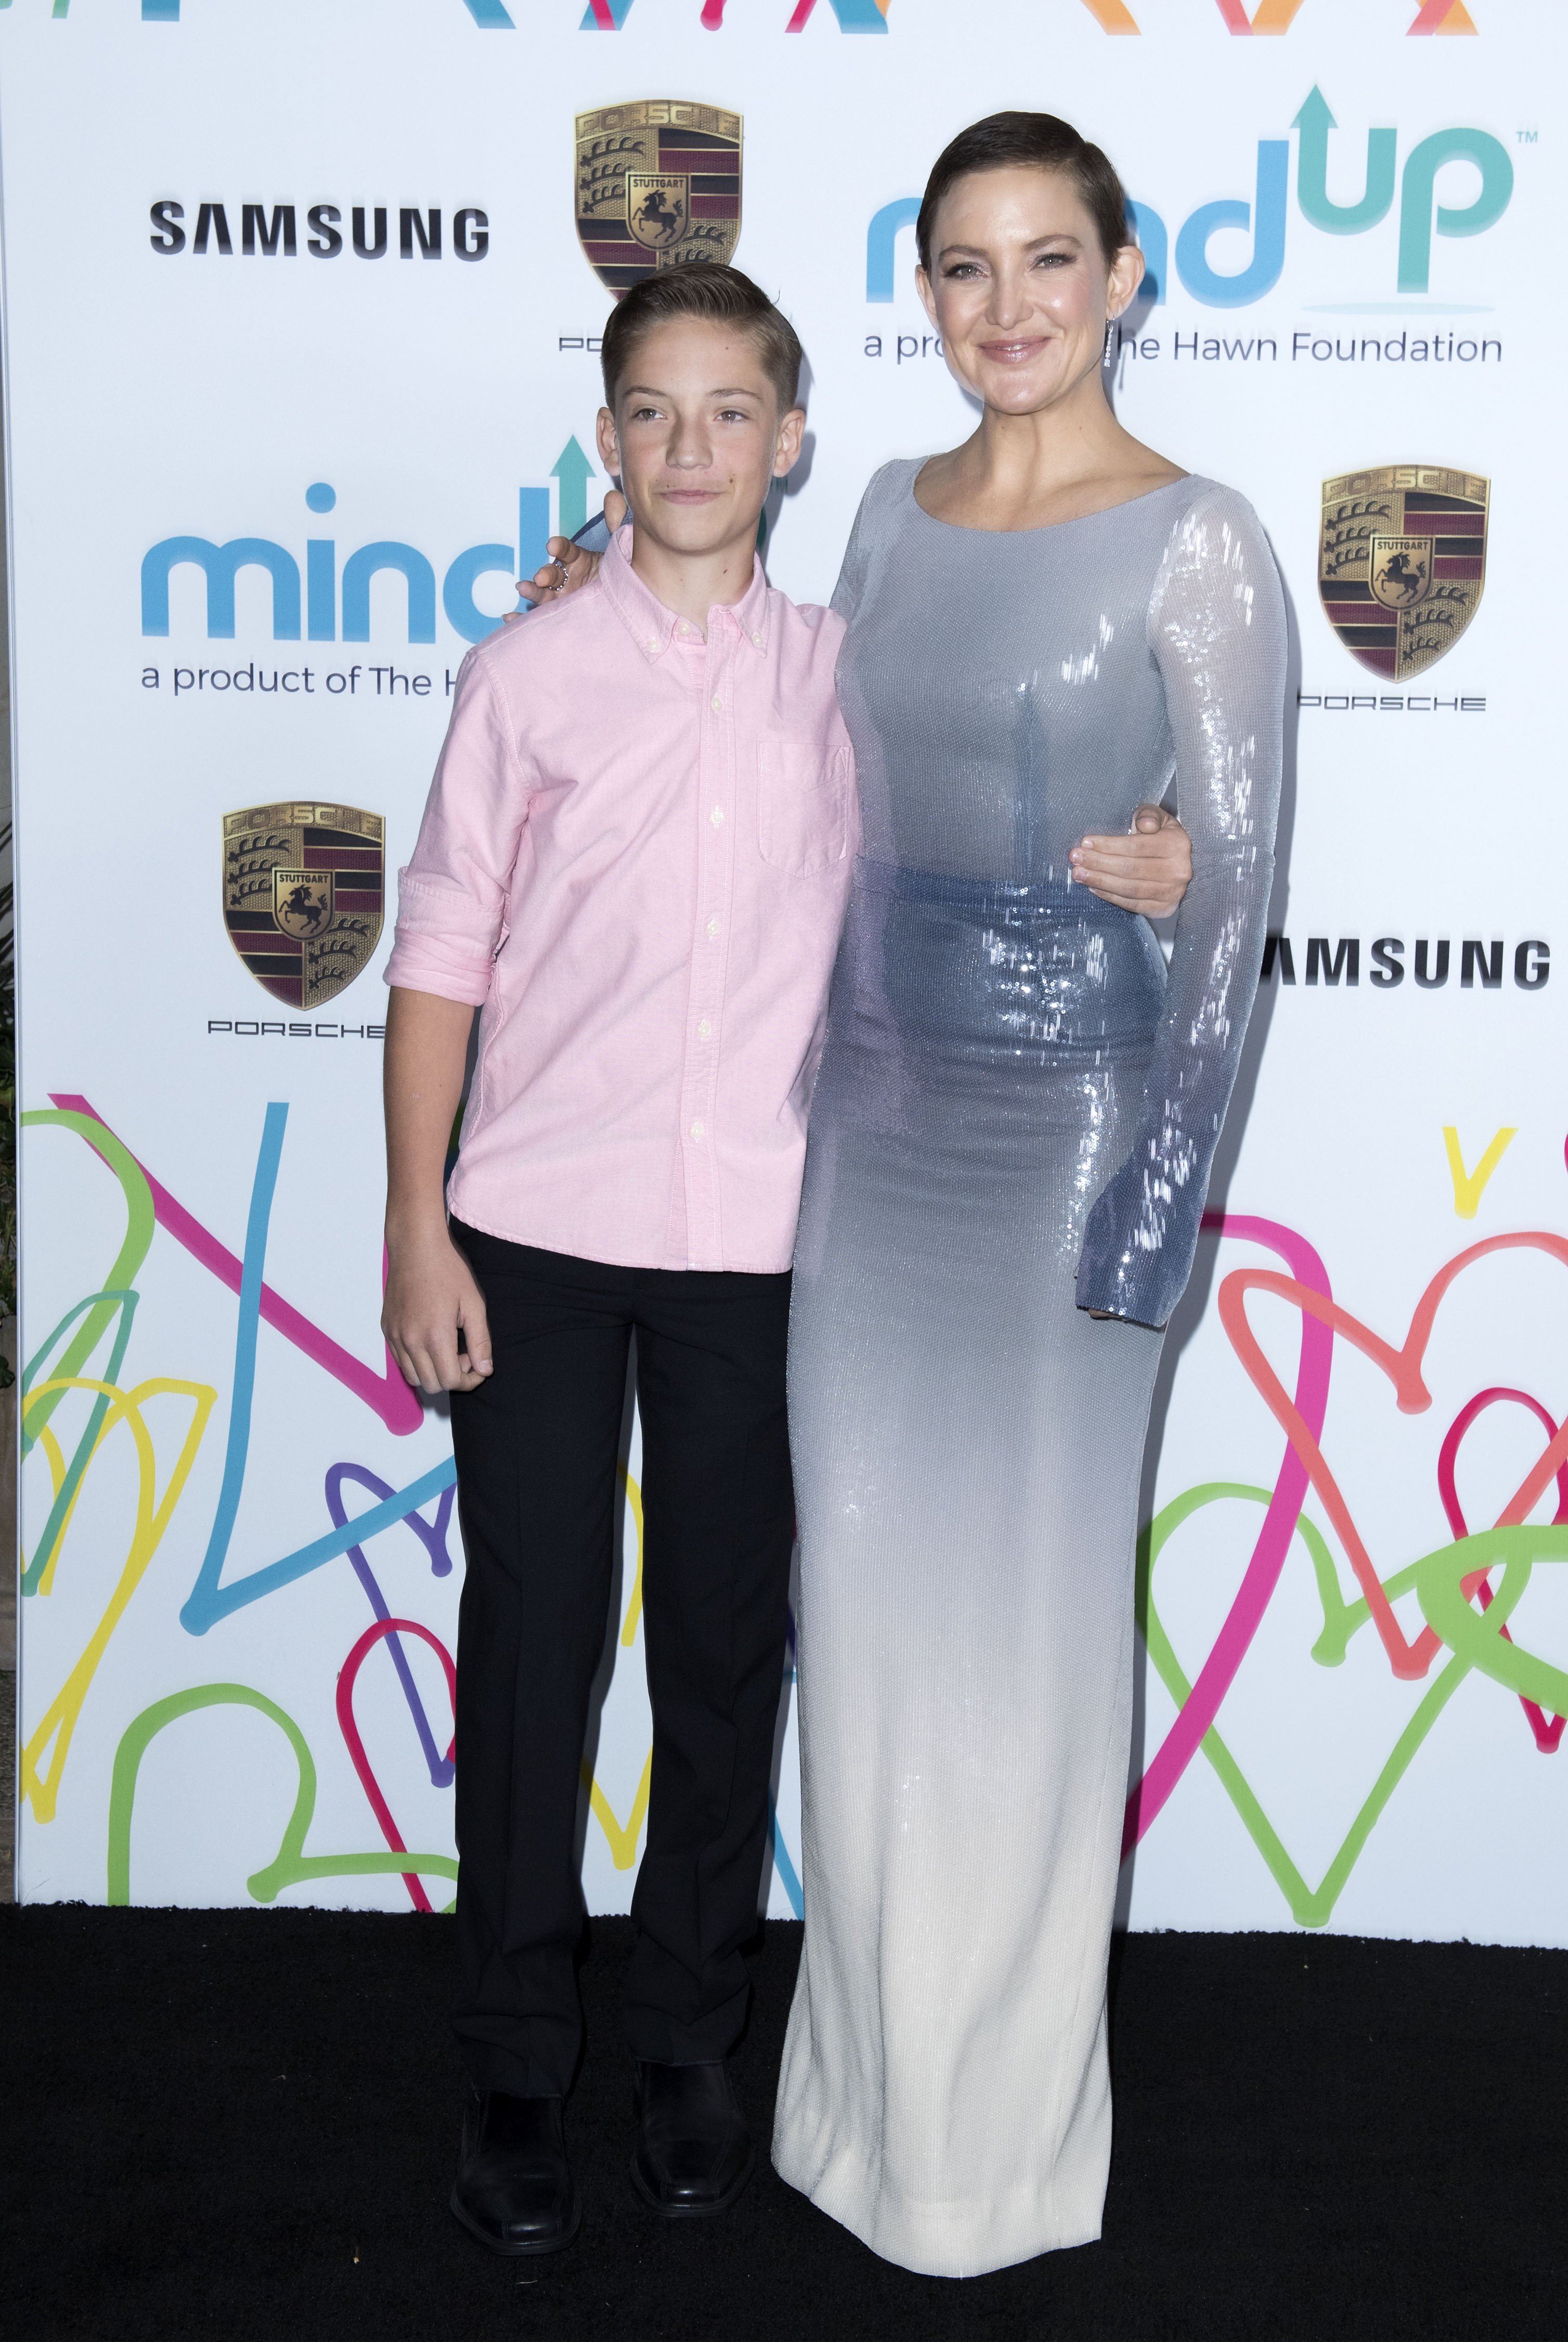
{"x": 570, "y": 565}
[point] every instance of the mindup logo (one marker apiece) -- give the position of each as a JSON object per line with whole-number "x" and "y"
{"x": 337, "y": 607}
{"x": 1421, "y": 214}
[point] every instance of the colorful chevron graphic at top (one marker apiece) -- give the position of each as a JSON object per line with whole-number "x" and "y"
{"x": 871, "y": 15}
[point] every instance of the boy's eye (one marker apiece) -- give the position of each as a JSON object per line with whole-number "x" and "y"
{"x": 733, "y": 415}
{"x": 644, "y": 414}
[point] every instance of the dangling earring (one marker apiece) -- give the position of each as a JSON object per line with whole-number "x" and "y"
{"x": 1106, "y": 353}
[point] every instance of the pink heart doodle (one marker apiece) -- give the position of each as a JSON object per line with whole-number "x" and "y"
{"x": 1304, "y": 1463}
{"x": 356, "y": 1745}
{"x": 1547, "y": 1735}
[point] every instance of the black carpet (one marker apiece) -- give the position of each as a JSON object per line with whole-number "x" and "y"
{"x": 236, "y": 2124}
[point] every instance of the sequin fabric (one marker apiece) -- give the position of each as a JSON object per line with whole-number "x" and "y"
{"x": 1013, "y": 1124}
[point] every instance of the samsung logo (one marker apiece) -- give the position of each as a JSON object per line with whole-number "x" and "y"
{"x": 271, "y": 231}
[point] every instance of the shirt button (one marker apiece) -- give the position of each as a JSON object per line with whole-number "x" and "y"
{"x": 758, "y": 640}
{"x": 713, "y": 929}
{"x": 696, "y": 1130}
{"x": 715, "y": 702}
{"x": 717, "y": 817}
{"x": 652, "y": 642}
{"x": 704, "y": 1029}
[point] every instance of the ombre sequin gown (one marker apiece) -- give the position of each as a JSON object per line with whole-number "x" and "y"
{"x": 1014, "y": 1122}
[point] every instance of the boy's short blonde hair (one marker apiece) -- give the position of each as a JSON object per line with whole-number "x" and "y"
{"x": 718, "y": 295}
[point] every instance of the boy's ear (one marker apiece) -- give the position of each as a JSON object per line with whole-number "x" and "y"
{"x": 609, "y": 447}
{"x": 791, "y": 427}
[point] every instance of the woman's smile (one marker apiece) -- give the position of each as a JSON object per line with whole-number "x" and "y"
{"x": 1016, "y": 350}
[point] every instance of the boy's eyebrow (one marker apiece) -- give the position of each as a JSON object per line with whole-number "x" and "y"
{"x": 647, "y": 390}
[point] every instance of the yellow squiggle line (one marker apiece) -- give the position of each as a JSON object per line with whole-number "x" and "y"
{"x": 56, "y": 1454}
{"x": 635, "y": 1607}
{"x": 622, "y": 1843}
{"x": 41, "y": 1788}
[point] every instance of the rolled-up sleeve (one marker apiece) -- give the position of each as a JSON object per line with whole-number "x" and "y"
{"x": 451, "y": 897}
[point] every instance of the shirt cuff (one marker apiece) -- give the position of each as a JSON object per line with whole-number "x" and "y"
{"x": 425, "y": 964}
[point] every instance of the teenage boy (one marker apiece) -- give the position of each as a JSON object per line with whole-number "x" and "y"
{"x": 634, "y": 861}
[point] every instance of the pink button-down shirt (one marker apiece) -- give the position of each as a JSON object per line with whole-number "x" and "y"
{"x": 635, "y": 859}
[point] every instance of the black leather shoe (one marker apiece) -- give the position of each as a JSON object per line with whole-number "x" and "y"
{"x": 695, "y": 2153}
{"x": 514, "y": 2188}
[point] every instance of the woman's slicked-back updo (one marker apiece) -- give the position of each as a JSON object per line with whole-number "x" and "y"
{"x": 1040, "y": 142}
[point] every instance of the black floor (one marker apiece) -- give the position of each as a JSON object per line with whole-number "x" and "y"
{"x": 237, "y": 2124}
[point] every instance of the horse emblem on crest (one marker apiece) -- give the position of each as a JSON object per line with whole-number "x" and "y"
{"x": 1401, "y": 562}
{"x": 658, "y": 182}
{"x": 303, "y": 895}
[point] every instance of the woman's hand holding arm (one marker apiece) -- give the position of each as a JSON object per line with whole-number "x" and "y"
{"x": 1149, "y": 870}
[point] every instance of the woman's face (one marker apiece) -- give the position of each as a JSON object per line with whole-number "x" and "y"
{"x": 1019, "y": 289}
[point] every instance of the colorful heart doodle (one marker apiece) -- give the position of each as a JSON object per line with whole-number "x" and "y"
{"x": 349, "y": 1729}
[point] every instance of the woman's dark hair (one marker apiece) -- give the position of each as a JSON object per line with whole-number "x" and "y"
{"x": 1040, "y": 142}
{"x": 719, "y": 296}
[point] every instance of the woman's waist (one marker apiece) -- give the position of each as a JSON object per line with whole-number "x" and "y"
{"x": 981, "y": 895}
{"x": 983, "y": 966}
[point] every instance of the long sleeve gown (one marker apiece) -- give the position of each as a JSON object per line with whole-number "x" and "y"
{"x": 1014, "y": 1122}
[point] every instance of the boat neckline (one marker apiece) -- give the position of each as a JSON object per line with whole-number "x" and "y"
{"x": 1046, "y": 528}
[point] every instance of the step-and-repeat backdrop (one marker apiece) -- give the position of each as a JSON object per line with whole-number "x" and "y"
{"x": 302, "y": 307}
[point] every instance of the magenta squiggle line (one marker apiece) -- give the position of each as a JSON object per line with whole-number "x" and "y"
{"x": 1253, "y": 1594}
{"x": 388, "y": 1395}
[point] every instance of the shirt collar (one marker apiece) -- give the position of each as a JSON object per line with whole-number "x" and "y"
{"x": 652, "y": 626}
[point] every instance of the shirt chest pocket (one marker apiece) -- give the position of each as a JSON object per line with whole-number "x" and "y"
{"x": 802, "y": 805}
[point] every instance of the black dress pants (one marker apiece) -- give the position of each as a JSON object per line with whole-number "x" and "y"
{"x": 536, "y": 1449}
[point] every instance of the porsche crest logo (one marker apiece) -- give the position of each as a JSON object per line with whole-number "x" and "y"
{"x": 302, "y": 889}
{"x": 1401, "y": 562}
{"x": 658, "y": 182}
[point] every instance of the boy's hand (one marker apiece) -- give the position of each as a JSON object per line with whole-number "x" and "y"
{"x": 1149, "y": 870}
{"x": 569, "y": 565}
{"x": 430, "y": 1294}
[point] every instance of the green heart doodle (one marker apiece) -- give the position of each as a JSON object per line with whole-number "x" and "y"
{"x": 1474, "y": 1639}
{"x": 98, "y": 1311}
{"x": 291, "y": 1865}
{"x": 1474, "y": 1635}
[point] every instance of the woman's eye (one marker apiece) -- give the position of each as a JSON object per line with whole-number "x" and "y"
{"x": 1055, "y": 260}
{"x": 963, "y": 268}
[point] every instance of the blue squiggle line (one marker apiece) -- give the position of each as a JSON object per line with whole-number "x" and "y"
{"x": 789, "y": 1879}
{"x": 209, "y": 1601}
{"x": 205, "y": 1603}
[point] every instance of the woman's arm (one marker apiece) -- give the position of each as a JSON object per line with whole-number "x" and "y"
{"x": 1217, "y": 629}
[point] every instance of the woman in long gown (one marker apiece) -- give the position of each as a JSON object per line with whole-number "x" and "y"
{"x": 1010, "y": 1138}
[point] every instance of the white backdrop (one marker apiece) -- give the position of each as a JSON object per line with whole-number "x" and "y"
{"x": 209, "y": 1712}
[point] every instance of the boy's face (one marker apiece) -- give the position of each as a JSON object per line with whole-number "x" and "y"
{"x": 696, "y": 435}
